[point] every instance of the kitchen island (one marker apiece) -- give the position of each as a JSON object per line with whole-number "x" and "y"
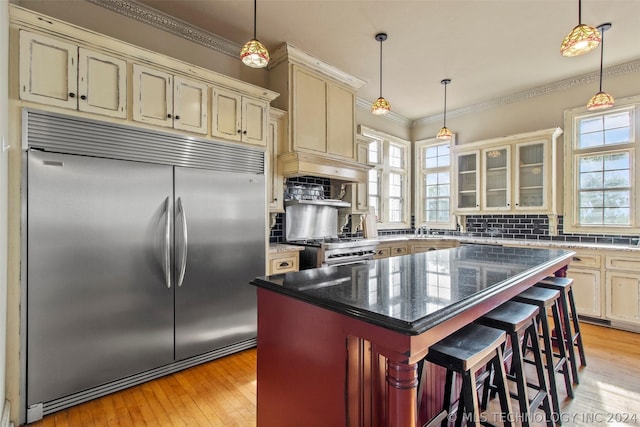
{"x": 340, "y": 346}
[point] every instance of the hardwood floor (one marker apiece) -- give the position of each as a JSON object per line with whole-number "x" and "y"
{"x": 223, "y": 392}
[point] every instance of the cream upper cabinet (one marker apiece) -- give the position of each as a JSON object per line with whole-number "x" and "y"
{"x": 162, "y": 99}
{"x": 515, "y": 174}
{"x": 309, "y": 121}
{"x": 341, "y": 118}
{"x": 60, "y": 74}
{"x": 496, "y": 179}
{"x": 324, "y": 119}
{"x": 238, "y": 118}
{"x": 467, "y": 171}
{"x": 275, "y": 182}
{"x": 321, "y": 101}
{"x": 357, "y": 193}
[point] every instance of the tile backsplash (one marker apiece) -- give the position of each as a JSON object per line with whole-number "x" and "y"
{"x": 521, "y": 227}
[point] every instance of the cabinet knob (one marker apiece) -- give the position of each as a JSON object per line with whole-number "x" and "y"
{"x": 244, "y": 132}
{"x": 239, "y": 130}
{"x": 168, "y": 116}
{"x": 83, "y": 97}
{"x": 177, "y": 117}
{"x": 72, "y": 95}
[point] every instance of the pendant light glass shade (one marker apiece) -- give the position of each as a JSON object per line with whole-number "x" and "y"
{"x": 253, "y": 53}
{"x": 582, "y": 39}
{"x": 381, "y": 106}
{"x": 445, "y": 133}
{"x": 601, "y": 100}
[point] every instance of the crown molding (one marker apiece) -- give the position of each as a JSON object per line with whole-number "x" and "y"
{"x": 365, "y": 105}
{"x": 151, "y": 16}
{"x": 584, "y": 79}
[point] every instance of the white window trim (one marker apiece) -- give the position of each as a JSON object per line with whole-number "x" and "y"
{"x": 387, "y": 139}
{"x": 419, "y": 189}
{"x": 571, "y": 216}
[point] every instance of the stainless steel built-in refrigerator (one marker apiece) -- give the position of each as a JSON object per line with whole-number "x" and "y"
{"x": 132, "y": 265}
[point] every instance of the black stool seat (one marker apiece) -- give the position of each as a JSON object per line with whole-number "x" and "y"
{"x": 570, "y": 321}
{"x": 519, "y": 320}
{"x": 546, "y": 298}
{"x": 466, "y": 351}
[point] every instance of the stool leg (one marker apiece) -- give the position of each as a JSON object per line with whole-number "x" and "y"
{"x": 576, "y": 329}
{"x": 548, "y": 354}
{"x": 532, "y": 333}
{"x": 562, "y": 350}
{"x": 446, "y": 404}
{"x": 568, "y": 336}
{"x": 470, "y": 398}
{"x": 517, "y": 371}
{"x": 500, "y": 379}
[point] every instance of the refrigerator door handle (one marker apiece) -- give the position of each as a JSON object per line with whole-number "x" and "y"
{"x": 185, "y": 242}
{"x": 167, "y": 244}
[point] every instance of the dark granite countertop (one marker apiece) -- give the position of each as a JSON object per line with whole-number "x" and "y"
{"x": 413, "y": 293}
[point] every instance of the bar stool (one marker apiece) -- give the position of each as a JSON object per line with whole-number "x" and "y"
{"x": 519, "y": 320}
{"x": 545, "y": 298}
{"x": 465, "y": 352}
{"x": 570, "y": 323}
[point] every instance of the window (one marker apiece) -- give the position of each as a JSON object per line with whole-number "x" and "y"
{"x": 433, "y": 184}
{"x": 601, "y": 167}
{"x": 389, "y": 179}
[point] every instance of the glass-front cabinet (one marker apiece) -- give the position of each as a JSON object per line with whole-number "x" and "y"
{"x": 513, "y": 174}
{"x": 468, "y": 174}
{"x": 530, "y": 182}
{"x": 497, "y": 178}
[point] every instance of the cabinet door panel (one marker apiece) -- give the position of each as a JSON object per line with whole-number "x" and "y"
{"x": 254, "y": 121}
{"x": 152, "y": 96}
{"x": 48, "y": 71}
{"x": 586, "y": 291}
{"x": 227, "y": 109}
{"x": 102, "y": 84}
{"x": 309, "y": 112}
{"x": 340, "y": 120}
{"x": 497, "y": 179}
{"x": 190, "y": 103}
{"x": 623, "y": 296}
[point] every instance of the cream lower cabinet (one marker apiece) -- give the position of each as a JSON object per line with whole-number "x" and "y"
{"x": 238, "y": 118}
{"x": 283, "y": 262}
{"x": 57, "y": 73}
{"x": 585, "y": 270}
{"x": 162, "y": 99}
{"x": 622, "y": 282}
{"x": 426, "y": 245}
{"x": 389, "y": 249}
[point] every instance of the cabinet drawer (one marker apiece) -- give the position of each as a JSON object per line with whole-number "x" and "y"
{"x": 623, "y": 262}
{"x": 399, "y": 250}
{"x": 284, "y": 264}
{"x": 382, "y": 252}
{"x": 586, "y": 260}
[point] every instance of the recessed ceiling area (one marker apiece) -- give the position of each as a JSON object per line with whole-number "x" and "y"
{"x": 488, "y": 48}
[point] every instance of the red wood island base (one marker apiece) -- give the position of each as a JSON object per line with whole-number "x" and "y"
{"x": 323, "y": 360}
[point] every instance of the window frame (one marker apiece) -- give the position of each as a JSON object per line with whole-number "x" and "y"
{"x": 384, "y": 169}
{"x": 573, "y": 154}
{"x": 419, "y": 183}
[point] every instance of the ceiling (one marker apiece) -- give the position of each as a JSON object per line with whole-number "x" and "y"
{"x": 488, "y": 48}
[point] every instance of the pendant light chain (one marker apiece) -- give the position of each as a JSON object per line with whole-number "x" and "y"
{"x": 601, "y": 56}
{"x": 445, "y": 105}
{"x": 380, "y": 67}
{"x": 255, "y": 19}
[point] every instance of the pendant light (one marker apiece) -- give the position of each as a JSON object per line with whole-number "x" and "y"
{"x": 253, "y": 53}
{"x": 601, "y": 100}
{"x": 582, "y": 39}
{"x": 445, "y": 133}
{"x": 381, "y": 106}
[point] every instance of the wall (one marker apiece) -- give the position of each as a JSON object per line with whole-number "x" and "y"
{"x": 530, "y": 114}
{"x": 4, "y": 136}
